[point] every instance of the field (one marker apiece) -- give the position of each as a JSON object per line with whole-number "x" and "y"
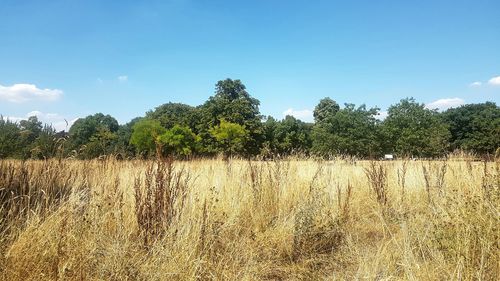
{"x": 239, "y": 220}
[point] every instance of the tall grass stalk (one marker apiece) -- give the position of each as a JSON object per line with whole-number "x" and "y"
{"x": 231, "y": 219}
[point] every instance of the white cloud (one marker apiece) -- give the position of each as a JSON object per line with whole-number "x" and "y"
{"x": 382, "y": 115}
{"x": 476, "y": 84}
{"x": 494, "y": 81}
{"x": 443, "y": 104}
{"x": 13, "y": 118}
{"x": 123, "y": 78}
{"x": 57, "y": 121}
{"x": 304, "y": 114}
{"x": 19, "y": 93}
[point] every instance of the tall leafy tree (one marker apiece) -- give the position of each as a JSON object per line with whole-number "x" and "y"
{"x": 234, "y": 104}
{"x": 287, "y": 136}
{"x": 231, "y": 137}
{"x": 270, "y": 142}
{"x": 351, "y": 131}
{"x": 474, "y": 127}
{"x": 100, "y": 143}
{"x": 46, "y": 144}
{"x": 410, "y": 129}
{"x": 91, "y": 127}
{"x": 171, "y": 114}
{"x": 10, "y": 145}
{"x": 122, "y": 143}
{"x": 145, "y": 136}
{"x": 326, "y": 108}
{"x": 30, "y": 130}
{"x": 179, "y": 141}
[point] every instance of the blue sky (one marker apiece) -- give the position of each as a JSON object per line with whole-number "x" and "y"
{"x": 67, "y": 59}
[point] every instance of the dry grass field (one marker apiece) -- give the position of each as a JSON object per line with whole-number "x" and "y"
{"x": 239, "y": 220}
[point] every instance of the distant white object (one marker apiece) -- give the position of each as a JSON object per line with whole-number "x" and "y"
{"x": 388, "y": 157}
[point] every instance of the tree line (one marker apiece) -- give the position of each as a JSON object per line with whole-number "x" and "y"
{"x": 229, "y": 123}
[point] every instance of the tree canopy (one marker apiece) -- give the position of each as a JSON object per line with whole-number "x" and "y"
{"x": 326, "y": 108}
{"x": 231, "y": 137}
{"x": 145, "y": 135}
{"x": 474, "y": 127}
{"x": 171, "y": 114}
{"x": 233, "y": 104}
{"x": 230, "y": 123}
{"x": 350, "y": 131}
{"x": 287, "y": 136}
{"x": 410, "y": 129}
{"x": 179, "y": 141}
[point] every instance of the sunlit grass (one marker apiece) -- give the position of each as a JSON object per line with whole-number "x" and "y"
{"x": 241, "y": 220}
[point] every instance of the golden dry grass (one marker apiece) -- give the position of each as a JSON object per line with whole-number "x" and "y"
{"x": 240, "y": 220}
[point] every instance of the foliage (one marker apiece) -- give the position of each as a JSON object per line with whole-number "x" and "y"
{"x": 179, "y": 129}
{"x": 87, "y": 134}
{"x": 179, "y": 140}
{"x": 287, "y": 136}
{"x": 326, "y": 108}
{"x": 27, "y": 139}
{"x": 410, "y": 129}
{"x": 9, "y": 138}
{"x": 145, "y": 134}
{"x": 234, "y": 104}
{"x": 45, "y": 145}
{"x": 351, "y": 131}
{"x": 122, "y": 143}
{"x": 231, "y": 137}
{"x": 171, "y": 114}
{"x": 100, "y": 143}
{"x": 474, "y": 127}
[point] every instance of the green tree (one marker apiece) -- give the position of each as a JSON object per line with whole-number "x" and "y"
{"x": 9, "y": 139}
{"x": 474, "y": 127}
{"x": 351, "y": 131}
{"x": 171, "y": 114}
{"x": 29, "y": 131}
{"x": 30, "y": 128}
{"x": 231, "y": 137}
{"x": 45, "y": 145}
{"x": 179, "y": 141}
{"x": 270, "y": 143}
{"x": 93, "y": 128}
{"x": 233, "y": 104}
{"x": 287, "y": 136}
{"x": 100, "y": 143}
{"x": 145, "y": 136}
{"x": 326, "y": 108}
{"x": 410, "y": 129}
{"x": 122, "y": 143}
